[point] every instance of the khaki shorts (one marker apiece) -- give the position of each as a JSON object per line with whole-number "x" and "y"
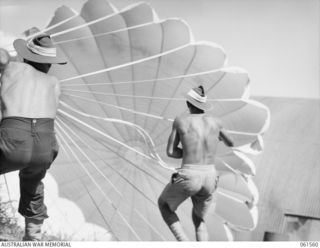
{"x": 196, "y": 181}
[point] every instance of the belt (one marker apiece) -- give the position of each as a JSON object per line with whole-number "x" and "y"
{"x": 198, "y": 167}
{"x": 29, "y": 124}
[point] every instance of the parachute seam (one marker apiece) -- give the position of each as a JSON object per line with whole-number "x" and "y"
{"x": 154, "y": 85}
{"x": 109, "y": 76}
{"x": 177, "y": 87}
{"x": 125, "y": 109}
{"x": 103, "y": 193}
{"x": 84, "y": 80}
{"x": 72, "y": 152}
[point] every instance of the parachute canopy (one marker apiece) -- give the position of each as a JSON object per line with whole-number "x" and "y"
{"x": 123, "y": 86}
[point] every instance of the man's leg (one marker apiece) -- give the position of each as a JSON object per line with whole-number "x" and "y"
{"x": 200, "y": 227}
{"x": 31, "y": 204}
{"x": 15, "y": 148}
{"x": 32, "y": 207}
{"x": 172, "y": 220}
{"x": 169, "y": 200}
{"x": 202, "y": 201}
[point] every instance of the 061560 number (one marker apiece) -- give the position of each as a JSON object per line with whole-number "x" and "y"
{"x": 309, "y": 244}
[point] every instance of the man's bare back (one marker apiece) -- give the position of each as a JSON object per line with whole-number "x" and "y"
{"x": 27, "y": 92}
{"x": 199, "y": 136}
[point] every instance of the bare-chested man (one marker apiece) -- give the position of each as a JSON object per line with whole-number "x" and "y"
{"x": 29, "y": 101}
{"x": 197, "y": 178}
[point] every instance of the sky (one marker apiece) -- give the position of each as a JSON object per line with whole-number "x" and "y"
{"x": 277, "y": 42}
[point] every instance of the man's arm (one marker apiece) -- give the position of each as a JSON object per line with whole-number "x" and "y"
{"x": 222, "y": 136}
{"x": 173, "y": 150}
{"x": 4, "y": 59}
{"x": 57, "y": 91}
{"x": 225, "y": 139}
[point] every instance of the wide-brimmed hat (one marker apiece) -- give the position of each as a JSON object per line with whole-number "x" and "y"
{"x": 40, "y": 49}
{"x": 197, "y": 98}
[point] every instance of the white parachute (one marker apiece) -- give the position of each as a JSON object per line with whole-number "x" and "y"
{"x": 121, "y": 89}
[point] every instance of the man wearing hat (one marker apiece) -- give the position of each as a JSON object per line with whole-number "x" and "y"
{"x": 197, "y": 178}
{"x": 29, "y": 101}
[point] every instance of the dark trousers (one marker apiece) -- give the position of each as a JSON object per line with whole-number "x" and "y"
{"x": 30, "y": 146}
